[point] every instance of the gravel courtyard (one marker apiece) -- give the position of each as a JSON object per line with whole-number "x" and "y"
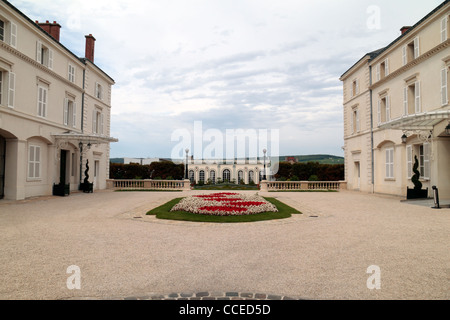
{"x": 322, "y": 254}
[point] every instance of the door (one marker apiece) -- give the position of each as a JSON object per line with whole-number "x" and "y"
{"x": 96, "y": 173}
{"x": 357, "y": 175}
{"x": 2, "y": 166}
{"x": 63, "y": 168}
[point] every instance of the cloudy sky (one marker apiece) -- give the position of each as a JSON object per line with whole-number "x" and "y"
{"x": 231, "y": 64}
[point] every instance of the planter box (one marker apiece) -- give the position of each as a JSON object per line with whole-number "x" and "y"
{"x": 61, "y": 189}
{"x": 416, "y": 194}
{"x": 87, "y": 187}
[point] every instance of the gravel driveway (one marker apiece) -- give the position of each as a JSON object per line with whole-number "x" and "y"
{"x": 322, "y": 254}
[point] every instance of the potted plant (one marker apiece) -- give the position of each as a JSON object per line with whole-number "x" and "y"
{"x": 417, "y": 192}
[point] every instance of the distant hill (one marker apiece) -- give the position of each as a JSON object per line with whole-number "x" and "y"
{"x": 320, "y": 158}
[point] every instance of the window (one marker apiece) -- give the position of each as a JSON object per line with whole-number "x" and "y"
{"x": 384, "y": 110}
{"x": 34, "y": 162}
{"x": 202, "y": 176}
{"x": 411, "y": 99}
{"x": 70, "y": 113}
{"x": 42, "y": 101}
{"x": 240, "y": 176}
{"x": 191, "y": 176}
{"x": 444, "y": 87}
{"x": 8, "y": 33}
{"x": 71, "y": 73}
{"x": 411, "y": 51}
{"x": 390, "y": 163}
{"x": 251, "y": 176}
{"x": 226, "y": 175}
{"x": 12, "y": 89}
{"x": 382, "y": 69}
{"x": 44, "y": 55}
{"x": 97, "y": 122}
{"x": 212, "y": 176}
{"x": 444, "y": 29}
{"x": 2, "y": 30}
{"x": 354, "y": 90}
{"x": 98, "y": 91}
{"x": 355, "y": 120}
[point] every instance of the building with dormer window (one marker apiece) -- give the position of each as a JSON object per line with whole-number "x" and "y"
{"x": 396, "y": 109}
{"x": 54, "y": 121}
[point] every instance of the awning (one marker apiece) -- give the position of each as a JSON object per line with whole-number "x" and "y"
{"x": 84, "y": 138}
{"x": 421, "y": 121}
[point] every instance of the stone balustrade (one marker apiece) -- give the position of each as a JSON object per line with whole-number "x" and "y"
{"x": 148, "y": 184}
{"x": 302, "y": 185}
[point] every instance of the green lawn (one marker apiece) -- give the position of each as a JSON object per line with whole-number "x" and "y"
{"x": 163, "y": 212}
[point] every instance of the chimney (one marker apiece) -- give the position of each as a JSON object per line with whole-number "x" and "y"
{"x": 53, "y": 29}
{"x": 404, "y": 29}
{"x": 90, "y": 46}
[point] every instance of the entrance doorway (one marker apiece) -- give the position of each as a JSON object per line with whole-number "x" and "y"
{"x": 2, "y": 166}
{"x": 357, "y": 175}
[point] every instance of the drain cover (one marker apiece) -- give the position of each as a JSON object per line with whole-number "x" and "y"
{"x": 313, "y": 216}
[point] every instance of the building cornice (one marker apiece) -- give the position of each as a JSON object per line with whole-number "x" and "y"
{"x": 427, "y": 55}
{"x": 37, "y": 65}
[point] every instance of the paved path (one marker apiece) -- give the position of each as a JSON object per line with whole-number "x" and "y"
{"x": 322, "y": 254}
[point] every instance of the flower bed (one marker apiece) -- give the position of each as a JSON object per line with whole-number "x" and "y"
{"x": 225, "y": 204}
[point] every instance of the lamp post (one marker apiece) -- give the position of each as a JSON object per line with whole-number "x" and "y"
{"x": 264, "y": 176}
{"x": 186, "y": 171}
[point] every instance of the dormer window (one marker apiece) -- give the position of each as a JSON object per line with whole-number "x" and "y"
{"x": 411, "y": 51}
{"x": 44, "y": 55}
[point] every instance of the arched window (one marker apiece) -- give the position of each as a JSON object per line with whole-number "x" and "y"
{"x": 226, "y": 175}
{"x": 240, "y": 176}
{"x": 251, "y": 177}
{"x": 261, "y": 175}
{"x": 212, "y": 176}
{"x": 201, "y": 176}
{"x": 191, "y": 176}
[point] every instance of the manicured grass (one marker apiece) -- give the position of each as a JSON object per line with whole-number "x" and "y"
{"x": 163, "y": 212}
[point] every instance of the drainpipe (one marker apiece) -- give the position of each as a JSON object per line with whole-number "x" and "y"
{"x": 371, "y": 131}
{"x": 82, "y": 123}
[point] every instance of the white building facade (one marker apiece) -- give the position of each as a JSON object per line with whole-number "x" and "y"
{"x": 54, "y": 110}
{"x": 396, "y": 109}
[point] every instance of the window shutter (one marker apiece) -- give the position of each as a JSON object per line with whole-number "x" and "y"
{"x": 358, "y": 128}
{"x": 444, "y": 88}
{"x": 444, "y": 23}
{"x": 416, "y": 48}
{"x": 50, "y": 59}
{"x": 96, "y": 89}
{"x": 31, "y": 162}
{"x": 388, "y": 110}
{"x": 13, "y": 37}
{"x": 44, "y": 103}
{"x": 12, "y": 89}
{"x": 405, "y": 101}
{"x": 94, "y": 121}
{"x": 101, "y": 123}
{"x": 386, "y": 67}
{"x": 39, "y": 51}
{"x": 40, "y": 94}
{"x": 74, "y": 120}
{"x": 37, "y": 160}
{"x": 378, "y": 72}
{"x": 391, "y": 163}
{"x": 387, "y": 164}
{"x": 66, "y": 111}
{"x": 417, "y": 96}
{"x": 409, "y": 162}
{"x": 357, "y": 86}
{"x": 404, "y": 57}
{"x": 379, "y": 112}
